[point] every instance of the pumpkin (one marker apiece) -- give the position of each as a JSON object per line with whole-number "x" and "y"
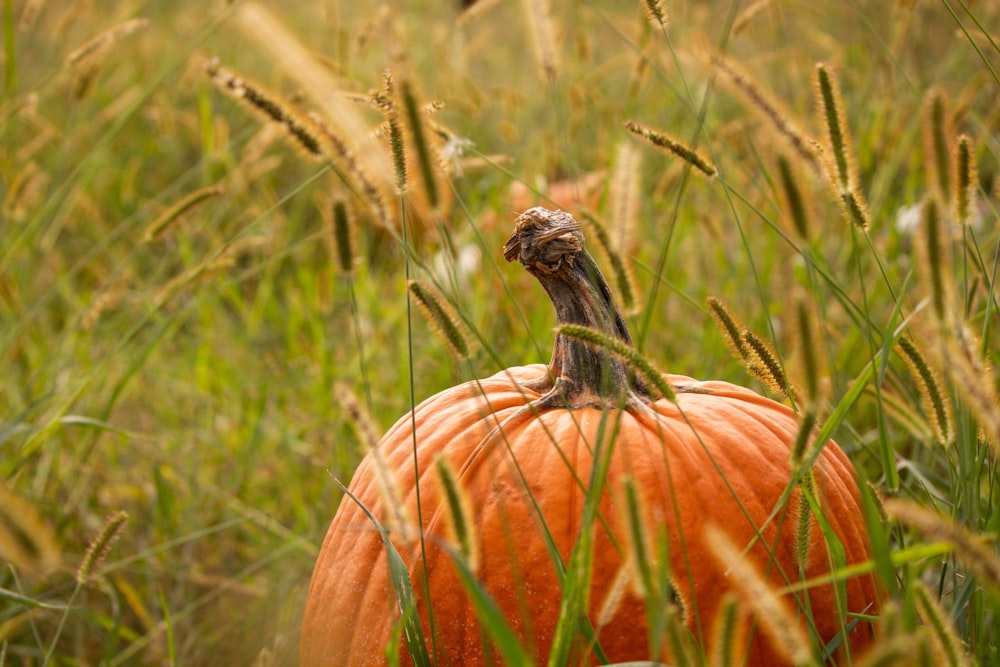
{"x": 523, "y": 445}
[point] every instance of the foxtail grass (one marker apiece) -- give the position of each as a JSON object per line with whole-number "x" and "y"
{"x": 656, "y": 13}
{"x": 357, "y": 416}
{"x": 670, "y": 145}
{"x": 623, "y": 276}
{"x": 396, "y": 517}
{"x": 815, "y": 380}
{"x": 385, "y": 100}
{"x": 27, "y": 540}
{"x": 935, "y": 265}
{"x": 980, "y": 558}
{"x": 762, "y": 103}
{"x": 728, "y": 634}
{"x": 796, "y": 203}
{"x": 935, "y": 400}
{"x": 341, "y": 121}
{"x": 771, "y": 611}
{"x": 946, "y": 646}
{"x": 747, "y": 16}
{"x": 732, "y": 329}
{"x": 159, "y": 226}
{"x": 802, "y": 515}
{"x": 459, "y": 516}
{"x": 269, "y": 106}
{"x": 966, "y": 180}
{"x": 442, "y": 318}
{"x": 426, "y": 158}
{"x": 341, "y": 237}
{"x": 633, "y": 357}
{"x": 538, "y": 14}
{"x": 625, "y": 197}
{"x": 938, "y": 140}
{"x": 764, "y": 364}
{"x": 843, "y": 170}
{"x": 103, "y": 41}
{"x": 99, "y": 547}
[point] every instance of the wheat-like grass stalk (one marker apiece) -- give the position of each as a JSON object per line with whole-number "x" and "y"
{"x": 802, "y": 514}
{"x": 269, "y": 106}
{"x": 385, "y": 100}
{"x": 938, "y": 133}
{"x": 421, "y": 142}
{"x": 159, "y": 226}
{"x": 772, "y": 612}
{"x": 768, "y": 109}
{"x": 934, "y": 263}
{"x": 30, "y": 12}
{"x": 357, "y": 416}
{"x": 946, "y": 646}
{"x": 899, "y": 650}
{"x": 971, "y": 379}
{"x": 856, "y": 209}
{"x": 656, "y": 13}
{"x": 978, "y": 557}
{"x": 732, "y": 329}
{"x": 798, "y": 206}
{"x": 340, "y": 117}
{"x": 843, "y": 171}
{"x": 746, "y": 17}
{"x": 459, "y": 518}
{"x": 475, "y": 11}
{"x": 809, "y": 334}
{"x": 353, "y": 171}
{"x": 625, "y": 196}
{"x": 103, "y": 41}
{"x": 441, "y": 318}
{"x": 728, "y": 634}
{"x": 935, "y": 401}
{"x": 397, "y": 518}
{"x": 340, "y": 235}
{"x": 26, "y": 539}
{"x": 621, "y": 270}
{"x": 100, "y": 546}
{"x": 614, "y": 595}
{"x": 632, "y": 357}
{"x": 831, "y": 108}
{"x": 638, "y": 545}
{"x": 543, "y": 38}
{"x": 672, "y": 146}
{"x": 765, "y": 365}
{"x": 966, "y": 180}
{"x": 804, "y": 436}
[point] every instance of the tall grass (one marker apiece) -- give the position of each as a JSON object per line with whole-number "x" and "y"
{"x": 177, "y": 319}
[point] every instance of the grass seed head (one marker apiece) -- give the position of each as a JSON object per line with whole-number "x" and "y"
{"x": 935, "y": 400}
{"x": 731, "y": 328}
{"x": 771, "y": 611}
{"x": 980, "y": 558}
{"x": 26, "y": 539}
{"x": 672, "y": 146}
{"x": 442, "y": 318}
{"x": 966, "y": 181}
{"x": 938, "y": 133}
{"x": 100, "y": 546}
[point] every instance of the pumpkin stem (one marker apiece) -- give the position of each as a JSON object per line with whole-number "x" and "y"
{"x": 550, "y": 245}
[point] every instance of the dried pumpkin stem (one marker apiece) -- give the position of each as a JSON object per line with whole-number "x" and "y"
{"x": 550, "y": 245}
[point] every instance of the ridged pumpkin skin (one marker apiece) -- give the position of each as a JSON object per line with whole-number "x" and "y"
{"x": 717, "y": 455}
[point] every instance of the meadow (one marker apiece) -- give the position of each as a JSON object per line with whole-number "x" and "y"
{"x": 212, "y": 213}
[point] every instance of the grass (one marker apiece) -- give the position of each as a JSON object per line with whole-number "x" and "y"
{"x": 175, "y": 318}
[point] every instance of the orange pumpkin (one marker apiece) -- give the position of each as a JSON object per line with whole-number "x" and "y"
{"x": 524, "y": 444}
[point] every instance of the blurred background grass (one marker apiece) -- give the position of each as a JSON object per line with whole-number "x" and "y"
{"x": 189, "y": 380}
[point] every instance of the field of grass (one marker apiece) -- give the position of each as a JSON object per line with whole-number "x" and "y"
{"x": 179, "y": 316}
